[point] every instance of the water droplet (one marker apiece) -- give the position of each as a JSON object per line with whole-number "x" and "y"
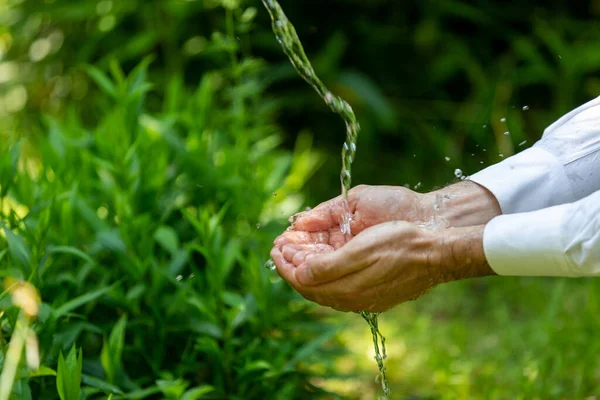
{"x": 458, "y": 173}
{"x": 353, "y": 146}
{"x": 418, "y": 185}
{"x": 501, "y": 155}
{"x": 503, "y": 120}
{"x": 447, "y": 158}
{"x": 346, "y": 148}
{"x": 179, "y": 277}
{"x": 270, "y": 265}
{"x": 525, "y": 108}
{"x": 257, "y": 226}
{"x": 191, "y": 276}
{"x": 507, "y": 133}
{"x": 523, "y": 143}
{"x": 485, "y": 126}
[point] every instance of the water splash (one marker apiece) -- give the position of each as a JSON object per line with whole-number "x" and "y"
{"x": 270, "y": 265}
{"x": 288, "y": 38}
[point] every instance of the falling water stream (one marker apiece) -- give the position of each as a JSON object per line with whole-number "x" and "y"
{"x": 288, "y": 38}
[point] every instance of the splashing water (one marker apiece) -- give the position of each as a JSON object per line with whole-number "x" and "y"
{"x": 288, "y": 38}
{"x": 270, "y": 265}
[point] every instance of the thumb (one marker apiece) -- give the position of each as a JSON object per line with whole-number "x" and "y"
{"x": 318, "y": 269}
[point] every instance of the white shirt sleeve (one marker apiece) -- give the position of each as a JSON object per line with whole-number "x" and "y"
{"x": 557, "y": 241}
{"x": 564, "y": 166}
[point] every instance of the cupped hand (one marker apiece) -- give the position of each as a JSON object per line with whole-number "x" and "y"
{"x": 381, "y": 267}
{"x": 369, "y": 206}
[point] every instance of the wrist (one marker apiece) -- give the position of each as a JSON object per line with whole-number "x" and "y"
{"x": 462, "y": 204}
{"x": 461, "y": 254}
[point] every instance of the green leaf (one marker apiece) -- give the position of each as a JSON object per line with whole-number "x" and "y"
{"x": 17, "y": 248}
{"x": 100, "y": 384}
{"x": 68, "y": 378}
{"x": 172, "y": 389}
{"x": 167, "y": 238}
{"x": 197, "y": 392}
{"x": 112, "y": 351}
{"x": 70, "y": 250}
{"x": 81, "y": 300}
{"x": 21, "y": 390}
{"x": 42, "y": 371}
{"x": 101, "y": 80}
{"x": 311, "y": 347}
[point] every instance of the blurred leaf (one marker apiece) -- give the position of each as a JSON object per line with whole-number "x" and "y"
{"x": 68, "y": 377}
{"x": 100, "y": 384}
{"x": 112, "y": 350}
{"x": 17, "y": 248}
{"x": 81, "y": 300}
{"x": 172, "y": 389}
{"x": 167, "y": 238}
{"x": 70, "y": 250}
{"x": 101, "y": 80}
{"x": 310, "y": 348}
{"x": 197, "y": 392}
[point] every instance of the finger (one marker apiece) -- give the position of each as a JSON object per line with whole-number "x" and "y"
{"x": 328, "y": 267}
{"x": 297, "y": 253}
{"x": 337, "y": 239}
{"x": 299, "y": 237}
{"x": 285, "y": 269}
{"x": 319, "y": 219}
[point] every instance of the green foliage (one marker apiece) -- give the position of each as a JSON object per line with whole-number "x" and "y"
{"x": 144, "y": 212}
{"x": 112, "y": 350}
{"x": 68, "y": 377}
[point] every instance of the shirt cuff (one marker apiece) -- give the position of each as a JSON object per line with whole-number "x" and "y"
{"x": 531, "y": 180}
{"x": 527, "y": 244}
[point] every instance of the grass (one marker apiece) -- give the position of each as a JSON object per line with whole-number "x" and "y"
{"x": 500, "y": 338}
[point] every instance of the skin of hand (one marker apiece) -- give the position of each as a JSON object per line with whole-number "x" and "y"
{"x": 382, "y": 266}
{"x": 462, "y": 204}
{"x": 316, "y": 233}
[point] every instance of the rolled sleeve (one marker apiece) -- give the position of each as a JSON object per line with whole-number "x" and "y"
{"x": 564, "y": 166}
{"x": 527, "y": 244}
{"x": 531, "y": 180}
{"x": 557, "y": 241}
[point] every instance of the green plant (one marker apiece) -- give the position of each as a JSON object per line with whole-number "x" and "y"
{"x": 146, "y": 231}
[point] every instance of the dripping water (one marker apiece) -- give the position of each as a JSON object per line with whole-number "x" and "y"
{"x": 288, "y": 38}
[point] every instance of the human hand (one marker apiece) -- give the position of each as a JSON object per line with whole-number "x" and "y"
{"x": 382, "y": 266}
{"x": 369, "y": 206}
{"x": 463, "y": 204}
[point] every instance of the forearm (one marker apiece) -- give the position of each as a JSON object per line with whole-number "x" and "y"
{"x": 460, "y": 205}
{"x": 461, "y": 254}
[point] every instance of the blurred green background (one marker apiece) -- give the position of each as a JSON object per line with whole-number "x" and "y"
{"x": 151, "y": 150}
